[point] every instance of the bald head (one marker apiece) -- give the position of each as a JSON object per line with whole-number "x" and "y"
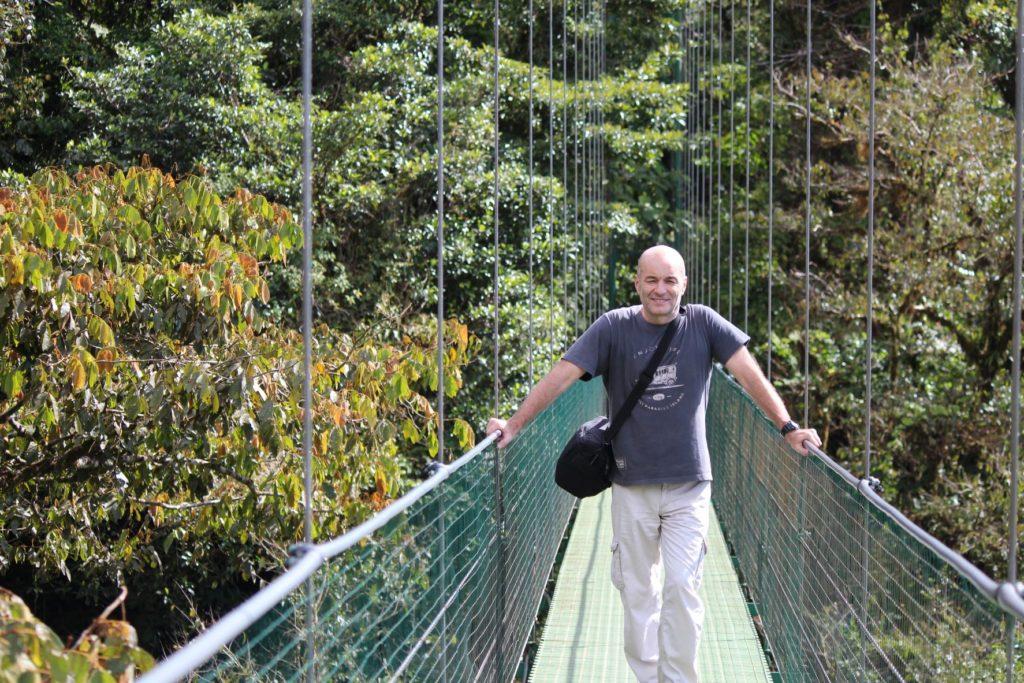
{"x": 659, "y": 258}
{"x": 660, "y": 283}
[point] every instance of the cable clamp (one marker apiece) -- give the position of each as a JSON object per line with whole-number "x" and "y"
{"x": 296, "y": 552}
{"x": 432, "y": 468}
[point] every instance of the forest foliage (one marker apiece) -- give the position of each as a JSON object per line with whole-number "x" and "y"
{"x": 150, "y": 375}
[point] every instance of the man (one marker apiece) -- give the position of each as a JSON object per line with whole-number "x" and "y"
{"x": 661, "y": 488}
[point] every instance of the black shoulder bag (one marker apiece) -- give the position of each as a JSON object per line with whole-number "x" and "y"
{"x": 585, "y": 465}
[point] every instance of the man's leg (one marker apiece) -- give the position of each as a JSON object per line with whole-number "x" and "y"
{"x": 636, "y": 524}
{"x": 684, "y": 530}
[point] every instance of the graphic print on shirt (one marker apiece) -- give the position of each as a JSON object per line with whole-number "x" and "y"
{"x": 665, "y": 391}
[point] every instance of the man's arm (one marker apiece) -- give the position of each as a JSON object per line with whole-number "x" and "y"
{"x": 743, "y": 366}
{"x": 558, "y": 379}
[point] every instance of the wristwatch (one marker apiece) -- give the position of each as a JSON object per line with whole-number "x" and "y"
{"x": 788, "y": 427}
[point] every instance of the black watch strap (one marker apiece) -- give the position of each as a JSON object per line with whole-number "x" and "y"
{"x": 788, "y": 427}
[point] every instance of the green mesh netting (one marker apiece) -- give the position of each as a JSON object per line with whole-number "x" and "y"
{"x": 844, "y": 593}
{"x": 438, "y": 593}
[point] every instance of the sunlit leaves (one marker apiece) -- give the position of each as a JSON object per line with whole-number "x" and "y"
{"x": 138, "y": 362}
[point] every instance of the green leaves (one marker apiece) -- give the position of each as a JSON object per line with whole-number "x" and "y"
{"x": 151, "y": 379}
{"x": 31, "y": 651}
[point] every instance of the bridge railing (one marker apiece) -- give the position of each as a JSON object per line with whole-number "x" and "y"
{"x": 848, "y": 589}
{"x": 444, "y": 584}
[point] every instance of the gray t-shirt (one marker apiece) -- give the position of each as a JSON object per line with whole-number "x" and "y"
{"x": 663, "y": 441}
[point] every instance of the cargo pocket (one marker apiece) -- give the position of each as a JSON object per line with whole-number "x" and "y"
{"x": 617, "y": 579}
{"x": 698, "y": 576}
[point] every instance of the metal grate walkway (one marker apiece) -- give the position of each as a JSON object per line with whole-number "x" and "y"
{"x": 582, "y": 639}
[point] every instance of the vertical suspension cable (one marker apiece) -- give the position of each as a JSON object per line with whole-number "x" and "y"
{"x": 497, "y": 173}
{"x": 732, "y": 135}
{"x": 1018, "y": 198}
{"x": 869, "y": 322}
{"x": 440, "y": 307}
{"x": 499, "y": 506}
{"x": 565, "y": 152}
{"x": 702, "y": 105}
{"x": 698, "y": 170}
{"x": 307, "y": 320}
{"x": 584, "y": 160}
{"x": 575, "y": 165}
{"x": 691, "y": 114}
{"x": 871, "y": 247}
{"x": 599, "y": 222}
{"x": 593, "y": 165}
{"x": 595, "y": 84}
{"x": 709, "y": 116}
{"x": 717, "y": 73}
{"x": 694, "y": 168}
{"x": 771, "y": 172}
{"x": 551, "y": 180}
{"x": 701, "y": 95}
{"x": 440, "y": 231}
{"x": 529, "y": 351}
{"x": 807, "y": 227}
{"x": 688, "y": 149}
{"x": 709, "y": 113}
{"x": 746, "y": 195}
{"x": 684, "y": 160}
{"x": 679, "y": 185}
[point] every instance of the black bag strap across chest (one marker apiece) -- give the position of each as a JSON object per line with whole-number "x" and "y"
{"x": 646, "y": 377}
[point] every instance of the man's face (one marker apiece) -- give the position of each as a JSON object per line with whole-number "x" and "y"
{"x": 660, "y": 282}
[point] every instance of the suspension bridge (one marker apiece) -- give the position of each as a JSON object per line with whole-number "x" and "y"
{"x": 811, "y": 574}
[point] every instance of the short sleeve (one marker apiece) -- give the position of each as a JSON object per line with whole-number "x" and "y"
{"x": 590, "y": 352}
{"x": 724, "y": 338}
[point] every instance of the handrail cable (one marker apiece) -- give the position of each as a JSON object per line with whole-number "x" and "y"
{"x": 1002, "y": 593}
{"x": 204, "y": 646}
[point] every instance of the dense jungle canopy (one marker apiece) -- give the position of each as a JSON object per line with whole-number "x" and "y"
{"x": 150, "y": 374}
